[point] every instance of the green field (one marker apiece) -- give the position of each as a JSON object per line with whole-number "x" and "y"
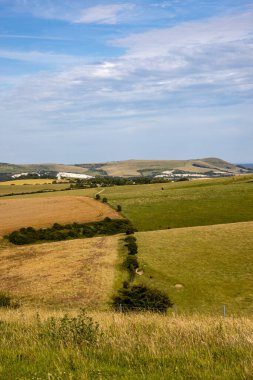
{"x": 201, "y": 268}
{"x": 185, "y": 204}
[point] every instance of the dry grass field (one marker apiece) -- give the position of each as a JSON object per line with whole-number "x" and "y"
{"x": 43, "y": 212}
{"x": 70, "y": 273}
{"x": 24, "y": 182}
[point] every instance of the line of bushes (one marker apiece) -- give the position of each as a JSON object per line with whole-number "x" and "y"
{"x": 70, "y": 231}
{"x": 138, "y": 297}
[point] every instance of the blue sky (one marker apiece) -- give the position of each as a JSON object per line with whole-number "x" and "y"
{"x": 90, "y": 81}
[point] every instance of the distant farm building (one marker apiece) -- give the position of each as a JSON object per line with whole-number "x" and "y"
{"x": 61, "y": 175}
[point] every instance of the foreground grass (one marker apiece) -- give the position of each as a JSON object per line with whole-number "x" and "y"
{"x": 144, "y": 346}
{"x": 201, "y": 268}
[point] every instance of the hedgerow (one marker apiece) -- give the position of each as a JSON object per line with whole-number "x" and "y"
{"x": 69, "y": 231}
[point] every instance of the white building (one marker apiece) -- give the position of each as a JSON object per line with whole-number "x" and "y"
{"x": 61, "y": 175}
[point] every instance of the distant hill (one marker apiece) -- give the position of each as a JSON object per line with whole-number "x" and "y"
{"x": 129, "y": 168}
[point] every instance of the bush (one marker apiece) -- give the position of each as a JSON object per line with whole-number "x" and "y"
{"x": 79, "y": 331}
{"x": 104, "y": 200}
{"x": 142, "y": 298}
{"x": 132, "y": 248}
{"x": 130, "y": 239}
{"x": 131, "y": 263}
{"x": 5, "y": 301}
{"x": 119, "y": 208}
{"x": 97, "y": 197}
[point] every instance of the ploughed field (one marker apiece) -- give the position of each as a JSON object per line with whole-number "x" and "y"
{"x": 44, "y": 212}
{"x": 71, "y": 273}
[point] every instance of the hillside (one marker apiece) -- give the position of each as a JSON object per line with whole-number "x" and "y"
{"x": 76, "y": 273}
{"x": 132, "y": 168}
{"x": 201, "y": 268}
{"x": 129, "y": 168}
{"x": 185, "y": 204}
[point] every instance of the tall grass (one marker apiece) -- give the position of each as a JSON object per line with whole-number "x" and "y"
{"x": 133, "y": 346}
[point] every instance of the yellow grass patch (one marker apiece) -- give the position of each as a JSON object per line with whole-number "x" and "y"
{"x": 37, "y": 181}
{"x": 71, "y": 273}
{"x": 43, "y": 212}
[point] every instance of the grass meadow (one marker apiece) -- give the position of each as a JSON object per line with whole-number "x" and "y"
{"x": 201, "y": 268}
{"x": 185, "y": 204}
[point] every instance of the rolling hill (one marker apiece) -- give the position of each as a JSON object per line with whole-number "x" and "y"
{"x": 128, "y": 168}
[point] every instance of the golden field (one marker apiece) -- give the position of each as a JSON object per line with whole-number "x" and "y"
{"x": 70, "y": 273}
{"x": 44, "y": 212}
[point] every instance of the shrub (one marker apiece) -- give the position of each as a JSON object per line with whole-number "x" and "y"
{"x": 131, "y": 263}
{"x": 79, "y": 331}
{"x": 104, "y": 200}
{"x": 130, "y": 231}
{"x": 141, "y": 297}
{"x": 97, "y": 197}
{"x": 132, "y": 248}
{"x": 130, "y": 239}
{"x": 5, "y": 301}
{"x": 119, "y": 208}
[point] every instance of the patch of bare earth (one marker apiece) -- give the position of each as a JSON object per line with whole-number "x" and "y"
{"x": 43, "y": 212}
{"x": 71, "y": 273}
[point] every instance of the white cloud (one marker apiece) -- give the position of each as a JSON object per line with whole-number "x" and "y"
{"x": 75, "y": 11}
{"x": 103, "y": 14}
{"x": 189, "y": 35}
{"x": 45, "y": 58}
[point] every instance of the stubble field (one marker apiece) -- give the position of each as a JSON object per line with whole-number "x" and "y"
{"x": 77, "y": 273}
{"x": 43, "y": 212}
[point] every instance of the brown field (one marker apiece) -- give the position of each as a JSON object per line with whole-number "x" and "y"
{"x": 71, "y": 273}
{"x": 43, "y": 212}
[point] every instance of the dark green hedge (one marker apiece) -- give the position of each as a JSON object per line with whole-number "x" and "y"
{"x": 69, "y": 231}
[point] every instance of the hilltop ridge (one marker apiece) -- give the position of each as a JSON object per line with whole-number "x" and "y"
{"x": 128, "y": 168}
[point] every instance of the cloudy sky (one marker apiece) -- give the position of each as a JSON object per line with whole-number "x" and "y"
{"x": 90, "y": 80}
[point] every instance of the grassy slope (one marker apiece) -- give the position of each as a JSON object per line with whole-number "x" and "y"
{"x": 213, "y": 263}
{"x": 13, "y": 169}
{"x": 185, "y": 204}
{"x": 149, "y": 167}
{"x": 76, "y": 273}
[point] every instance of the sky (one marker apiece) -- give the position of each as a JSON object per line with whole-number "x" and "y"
{"x": 92, "y": 81}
